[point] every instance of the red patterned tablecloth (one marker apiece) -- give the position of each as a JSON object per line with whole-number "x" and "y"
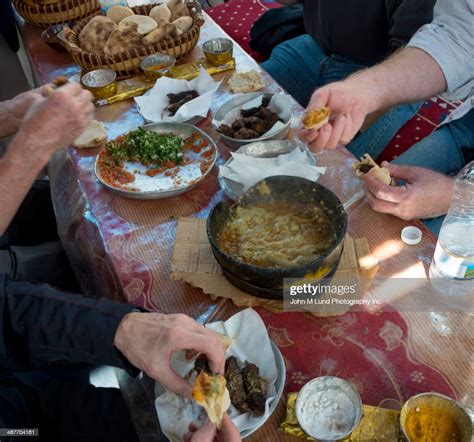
{"x": 122, "y": 249}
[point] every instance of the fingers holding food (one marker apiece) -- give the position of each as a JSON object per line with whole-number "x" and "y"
{"x": 211, "y": 393}
{"x": 367, "y": 165}
{"x": 315, "y": 118}
{"x": 55, "y": 121}
{"x": 94, "y": 135}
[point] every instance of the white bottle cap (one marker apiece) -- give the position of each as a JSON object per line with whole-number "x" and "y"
{"x": 411, "y": 235}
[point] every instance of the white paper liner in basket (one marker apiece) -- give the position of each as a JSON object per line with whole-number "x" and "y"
{"x": 251, "y": 343}
{"x": 152, "y": 105}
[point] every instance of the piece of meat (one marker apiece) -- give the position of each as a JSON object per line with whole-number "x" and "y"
{"x": 255, "y": 388}
{"x": 177, "y": 100}
{"x": 235, "y": 385}
{"x": 245, "y": 134}
{"x": 226, "y": 130}
{"x": 238, "y": 124}
{"x": 364, "y": 168}
{"x": 174, "y": 98}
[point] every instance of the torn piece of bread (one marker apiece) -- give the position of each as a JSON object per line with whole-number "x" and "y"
{"x": 316, "y": 118}
{"x": 94, "y": 135}
{"x": 167, "y": 31}
{"x": 250, "y": 81}
{"x": 211, "y": 393}
{"x": 368, "y": 165}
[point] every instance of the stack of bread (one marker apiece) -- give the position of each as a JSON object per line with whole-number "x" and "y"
{"x": 122, "y": 30}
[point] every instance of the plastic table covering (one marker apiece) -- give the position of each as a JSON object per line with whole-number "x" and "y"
{"x": 122, "y": 249}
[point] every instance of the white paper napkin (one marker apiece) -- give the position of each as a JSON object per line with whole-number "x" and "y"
{"x": 281, "y": 104}
{"x": 251, "y": 343}
{"x": 249, "y": 170}
{"x": 152, "y": 105}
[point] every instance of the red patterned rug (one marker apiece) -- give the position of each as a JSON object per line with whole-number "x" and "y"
{"x": 237, "y": 18}
{"x": 371, "y": 350}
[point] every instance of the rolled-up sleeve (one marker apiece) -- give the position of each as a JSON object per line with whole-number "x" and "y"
{"x": 449, "y": 39}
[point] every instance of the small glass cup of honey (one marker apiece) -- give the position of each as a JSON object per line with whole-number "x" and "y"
{"x": 101, "y": 82}
{"x": 218, "y": 50}
{"x": 156, "y": 65}
{"x": 434, "y": 417}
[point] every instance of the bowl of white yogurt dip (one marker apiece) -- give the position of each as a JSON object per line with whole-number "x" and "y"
{"x": 328, "y": 408}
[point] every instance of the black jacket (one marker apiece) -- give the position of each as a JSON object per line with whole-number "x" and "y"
{"x": 42, "y": 328}
{"x": 365, "y": 31}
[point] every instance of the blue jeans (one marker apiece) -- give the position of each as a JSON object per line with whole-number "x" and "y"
{"x": 442, "y": 151}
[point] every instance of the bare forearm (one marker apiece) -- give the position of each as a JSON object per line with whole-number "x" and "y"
{"x": 409, "y": 75}
{"x": 18, "y": 170}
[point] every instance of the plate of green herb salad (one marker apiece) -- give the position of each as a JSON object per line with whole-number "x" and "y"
{"x": 159, "y": 160}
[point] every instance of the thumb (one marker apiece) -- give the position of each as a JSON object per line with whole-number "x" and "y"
{"x": 319, "y": 99}
{"x": 206, "y": 433}
{"x": 407, "y": 173}
{"x": 170, "y": 380}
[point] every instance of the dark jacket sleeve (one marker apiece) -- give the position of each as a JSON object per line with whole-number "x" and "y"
{"x": 405, "y": 18}
{"x": 44, "y": 327}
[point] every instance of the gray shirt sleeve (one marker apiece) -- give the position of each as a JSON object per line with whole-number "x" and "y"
{"x": 449, "y": 39}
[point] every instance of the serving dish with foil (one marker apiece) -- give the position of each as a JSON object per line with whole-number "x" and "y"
{"x": 171, "y": 182}
{"x": 260, "y": 149}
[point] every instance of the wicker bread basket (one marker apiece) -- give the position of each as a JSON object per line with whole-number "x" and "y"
{"x": 60, "y": 12}
{"x": 127, "y": 63}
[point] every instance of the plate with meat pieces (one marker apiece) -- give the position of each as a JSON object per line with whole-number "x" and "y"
{"x": 177, "y": 100}
{"x": 254, "y": 117}
{"x": 254, "y": 379}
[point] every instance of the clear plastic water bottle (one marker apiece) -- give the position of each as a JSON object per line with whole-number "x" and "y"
{"x": 452, "y": 268}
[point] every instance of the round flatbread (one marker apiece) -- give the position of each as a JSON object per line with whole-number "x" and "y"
{"x": 246, "y": 82}
{"x": 94, "y": 135}
{"x": 145, "y": 24}
{"x": 161, "y": 14}
{"x": 183, "y": 24}
{"x": 118, "y": 13}
{"x": 180, "y": 10}
{"x": 95, "y": 33}
{"x": 122, "y": 38}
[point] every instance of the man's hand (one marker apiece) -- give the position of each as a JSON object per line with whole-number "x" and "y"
{"x": 12, "y": 111}
{"x": 148, "y": 340}
{"x": 54, "y": 122}
{"x": 425, "y": 194}
{"x": 208, "y": 432}
{"x": 349, "y": 104}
